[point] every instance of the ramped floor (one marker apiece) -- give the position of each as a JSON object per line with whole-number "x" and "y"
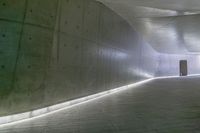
{"x": 160, "y": 106}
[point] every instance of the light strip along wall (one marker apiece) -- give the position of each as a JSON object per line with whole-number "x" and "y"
{"x": 18, "y": 118}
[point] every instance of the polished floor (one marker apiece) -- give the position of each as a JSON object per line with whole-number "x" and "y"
{"x": 160, "y": 106}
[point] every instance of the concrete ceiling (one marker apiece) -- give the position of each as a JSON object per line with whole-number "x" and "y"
{"x": 169, "y": 26}
{"x": 181, "y": 5}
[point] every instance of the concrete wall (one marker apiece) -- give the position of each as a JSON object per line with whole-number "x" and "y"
{"x": 57, "y": 50}
{"x": 169, "y": 64}
{"x": 174, "y": 38}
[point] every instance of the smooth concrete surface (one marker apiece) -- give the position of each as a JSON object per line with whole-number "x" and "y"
{"x": 162, "y": 106}
{"x": 170, "y": 26}
{"x": 176, "y": 5}
{"x": 33, "y": 114}
{"x": 166, "y": 26}
{"x": 60, "y": 50}
{"x": 53, "y": 51}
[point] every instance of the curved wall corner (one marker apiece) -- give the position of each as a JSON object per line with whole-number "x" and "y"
{"x": 174, "y": 38}
{"x": 59, "y": 50}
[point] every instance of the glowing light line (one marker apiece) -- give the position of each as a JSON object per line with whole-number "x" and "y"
{"x": 19, "y": 118}
{"x": 27, "y": 116}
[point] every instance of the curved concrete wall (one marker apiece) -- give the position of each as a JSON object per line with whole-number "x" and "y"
{"x": 57, "y": 50}
{"x": 169, "y": 64}
{"x": 174, "y": 37}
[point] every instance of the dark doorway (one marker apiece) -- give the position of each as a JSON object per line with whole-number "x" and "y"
{"x": 183, "y": 68}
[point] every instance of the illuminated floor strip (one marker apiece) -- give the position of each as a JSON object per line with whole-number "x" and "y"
{"x": 166, "y": 77}
{"x": 18, "y": 118}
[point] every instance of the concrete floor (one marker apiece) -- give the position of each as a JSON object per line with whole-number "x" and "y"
{"x": 160, "y": 106}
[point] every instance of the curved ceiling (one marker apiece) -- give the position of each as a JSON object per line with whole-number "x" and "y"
{"x": 180, "y": 5}
{"x": 169, "y": 26}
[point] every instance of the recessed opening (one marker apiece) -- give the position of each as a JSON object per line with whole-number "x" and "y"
{"x": 183, "y": 68}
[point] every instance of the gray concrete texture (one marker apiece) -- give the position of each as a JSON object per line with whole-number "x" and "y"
{"x": 170, "y": 26}
{"x": 159, "y": 106}
{"x": 58, "y": 50}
